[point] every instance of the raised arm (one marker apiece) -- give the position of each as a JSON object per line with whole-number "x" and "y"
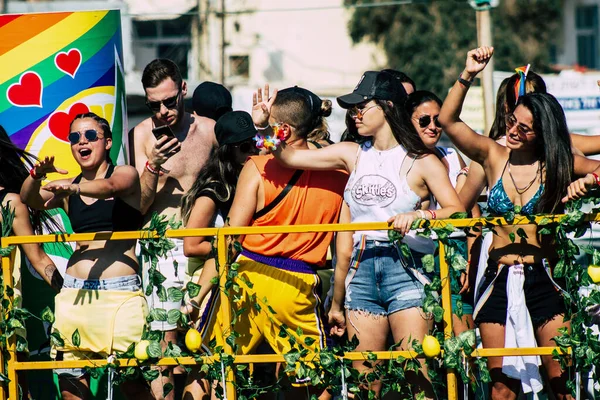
{"x": 475, "y": 146}
{"x": 337, "y": 156}
{"x": 34, "y": 252}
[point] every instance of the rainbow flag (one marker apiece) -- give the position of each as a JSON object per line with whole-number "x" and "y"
{"x": 520, "y": 88}
{"x": 54, "y": 66}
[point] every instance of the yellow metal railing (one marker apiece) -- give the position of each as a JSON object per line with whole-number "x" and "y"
{"x": 13, "y": 366}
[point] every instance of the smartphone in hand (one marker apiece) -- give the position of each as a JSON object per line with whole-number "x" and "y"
{"x": 164, "y": 130}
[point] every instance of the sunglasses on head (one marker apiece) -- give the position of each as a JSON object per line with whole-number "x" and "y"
{"x": 91, "y": 135}
{"x": 169, "y": 103}
{"x": 425, "y": 120}
{"x": 247, "y": 146}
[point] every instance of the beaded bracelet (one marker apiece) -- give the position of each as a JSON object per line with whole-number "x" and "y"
{"x": 270, "y": 143}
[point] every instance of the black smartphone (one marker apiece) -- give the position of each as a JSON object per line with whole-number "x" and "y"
{"x": 164, "y": 130}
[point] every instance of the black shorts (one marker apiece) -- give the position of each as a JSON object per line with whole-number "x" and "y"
{"x": 544, "y": 301}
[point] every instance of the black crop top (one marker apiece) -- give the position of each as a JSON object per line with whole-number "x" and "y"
{"x": 109, "y": 215}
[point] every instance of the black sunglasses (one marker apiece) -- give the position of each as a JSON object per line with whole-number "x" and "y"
{"x": 247, "y": 146}
{"x": 425, "y": 120}
{"x": 169, "y": 103}
{"x": 91, "y": 135}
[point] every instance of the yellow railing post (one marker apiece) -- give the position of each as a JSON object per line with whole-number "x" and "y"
{"x": 11, "y": 373}
{"x": 226, "y": 312}
{"x": 447, "y": 305}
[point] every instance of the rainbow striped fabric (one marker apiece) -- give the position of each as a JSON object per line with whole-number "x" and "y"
{"x": 57, "y": 65}
{"x": 520, "y": 88}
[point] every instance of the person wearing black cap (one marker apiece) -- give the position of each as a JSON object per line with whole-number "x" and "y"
{"x": 391, "y": 175}
{"x": 211, "y": 100}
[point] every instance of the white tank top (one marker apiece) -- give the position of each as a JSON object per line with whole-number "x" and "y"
{"x": 451, "y": 156}
{"x": 375, "y": 192}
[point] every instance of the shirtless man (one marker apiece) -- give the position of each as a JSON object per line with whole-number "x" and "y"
{"x": 168, "y": 167}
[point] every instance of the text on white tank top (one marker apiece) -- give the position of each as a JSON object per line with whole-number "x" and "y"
{"x": 375, "y": 192}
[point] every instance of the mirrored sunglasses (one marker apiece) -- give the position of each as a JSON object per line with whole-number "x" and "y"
{"x": 425, "y": 120}
{"x": 169, "y": 103}
{"x": 91, "y": 135}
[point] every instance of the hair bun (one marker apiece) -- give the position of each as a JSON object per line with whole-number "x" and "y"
{"x": 326, "y": 108}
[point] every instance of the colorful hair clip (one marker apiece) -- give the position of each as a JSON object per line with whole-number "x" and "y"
{"x": 520, "y": 88}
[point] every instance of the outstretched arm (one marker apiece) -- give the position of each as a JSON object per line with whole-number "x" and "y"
{"x": 475, "y": 146}
{"x": 123, "y": 183}
{"x": 588, "y": 145}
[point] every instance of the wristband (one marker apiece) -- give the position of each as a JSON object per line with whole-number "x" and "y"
{"x": 152, "y": 170}
{"x": 463, "y": 171}
{"x": 464, "y": 82}
{"x": 34, "y": 176}
{"x": 78, "y": 191}
{"x": 433, "y": 216}
{"x": 597, "y": 178}
{"x": 422, "y": 214}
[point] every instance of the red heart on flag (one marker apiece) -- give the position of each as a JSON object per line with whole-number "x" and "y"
{"x": 28, "y": 92}
{"x": 68, "y": 62}
{"x": 60, "y": 122}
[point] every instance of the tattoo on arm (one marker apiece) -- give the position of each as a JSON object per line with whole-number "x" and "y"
{"x": 54, "y": 277}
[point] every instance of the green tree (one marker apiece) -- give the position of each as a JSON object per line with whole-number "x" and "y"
{"x": 428, "y": 40}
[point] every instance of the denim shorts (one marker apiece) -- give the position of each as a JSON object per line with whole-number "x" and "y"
{"x": 380, "y": 282}
{"x": 130, "y": 283}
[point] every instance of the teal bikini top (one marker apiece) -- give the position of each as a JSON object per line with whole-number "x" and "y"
{"x": 499, "y": 203}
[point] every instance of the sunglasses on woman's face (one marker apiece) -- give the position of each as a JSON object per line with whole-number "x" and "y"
{"x": 522, "y": 130}
{"x": 359, "y": 113}
{"x": 91, "y": 135}
{"x": 169, "y": 103}
{"x": 248, "y": 146}
{"x": 425, "y": 120}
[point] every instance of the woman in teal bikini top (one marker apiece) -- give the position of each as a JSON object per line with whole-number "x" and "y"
{"x": 500, "y": 204}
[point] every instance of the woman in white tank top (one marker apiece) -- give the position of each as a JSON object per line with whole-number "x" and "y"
{"x": 390, "y": 176}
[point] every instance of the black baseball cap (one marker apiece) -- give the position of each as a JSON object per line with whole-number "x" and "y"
{"x": 234, "y": 127}
{"x": 378, "y": 85}
{"x": 211, "y": 100}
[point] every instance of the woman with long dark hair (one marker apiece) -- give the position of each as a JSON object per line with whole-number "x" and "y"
{"x": 101, "y": 296}
{"x": 208, "y": 201}
{"x": 15, "y": 169}
{"x": 529, "y": 175}
{"x": 390, "y": 176}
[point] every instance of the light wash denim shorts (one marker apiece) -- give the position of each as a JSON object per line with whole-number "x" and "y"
{"x": 381, "y": 282}
{"x": 129, "y": 283}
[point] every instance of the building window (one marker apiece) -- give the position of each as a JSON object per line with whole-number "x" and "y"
{"x": 586, "y": 25}
{"x": 239, "y": 66}
{"x": 163, "y": 39}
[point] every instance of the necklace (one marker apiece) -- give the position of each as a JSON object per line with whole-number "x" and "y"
{"x": 519, "y": 190}
{"x": 381, "y": 158}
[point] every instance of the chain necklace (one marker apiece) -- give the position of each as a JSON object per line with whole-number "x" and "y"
{"x": 381, "y": 158}
{"x": 519, "y": 190}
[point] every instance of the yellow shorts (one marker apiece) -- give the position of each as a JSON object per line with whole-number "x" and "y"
{"x": 293, "y": 297}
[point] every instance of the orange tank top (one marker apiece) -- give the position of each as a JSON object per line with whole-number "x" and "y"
{"x": 316, "y": 198}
